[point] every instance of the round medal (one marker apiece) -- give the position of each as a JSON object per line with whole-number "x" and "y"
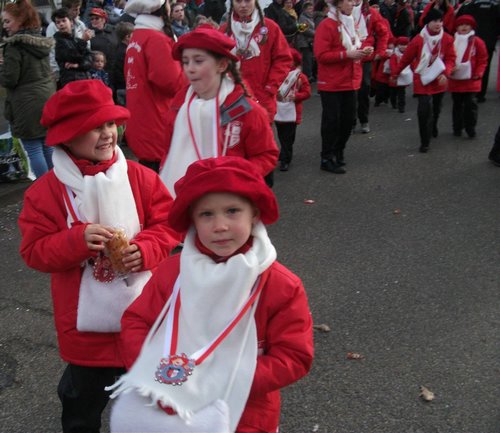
{"x": 174, "y": 369}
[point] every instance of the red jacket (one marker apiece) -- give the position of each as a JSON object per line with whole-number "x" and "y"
{"x": 266, "y": 72}
{"x": 336, "y": 72}
{"x": 379, "y": 33}
{"x": 284, "y": 332}
{"x": 153, "y": 77}
{"x": 256, "y": 140}
{"x": 48, "y": 245}
{"x": 448, "y": 17}
{"x": 412, "y": 55}
{"x": 302, "y": 92}
{"x": 478, "y": 54}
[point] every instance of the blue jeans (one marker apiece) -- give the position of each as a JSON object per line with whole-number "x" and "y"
{"x": 39, "y": 154}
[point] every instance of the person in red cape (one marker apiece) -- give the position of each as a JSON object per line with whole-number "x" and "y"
{"x": 68, "y": 218}
{"x": 240, "y": 316}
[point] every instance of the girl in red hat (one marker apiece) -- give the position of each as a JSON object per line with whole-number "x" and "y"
{"x": 221, "y": 327}
{"x": 214, "y": 116}
{"x": 432, "y": 56}
{"x": 465, "y": 80}
{"x": 262, "y": 50}
{"x": 97, "y": 224}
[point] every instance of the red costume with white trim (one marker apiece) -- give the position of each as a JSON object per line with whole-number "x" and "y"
{"x": 284, "y": 332}
{"x": 251, "y": 136}
{"x": 48, "y": 245}
{"x": 153, "y": 77}
{"x": 265, "y": 72}
{"x": 477, "y": 53}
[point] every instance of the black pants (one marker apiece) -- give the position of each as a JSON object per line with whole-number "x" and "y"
{"x": 398, "y": 97}
{"x": 307, "y": 62}
{"x": 484, "y": 81}
{"x": 429, "y": 107}
{"x": 83, "y": 398}
{"x": 382, "y": 93}
{"x": 337, "y": 119}
{"x": 286, "y": 136}
{"x": 363, "y": 97}
{"x": 464, "y": 112}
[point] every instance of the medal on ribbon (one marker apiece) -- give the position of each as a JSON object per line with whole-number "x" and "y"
{"x": 174, "y": 369}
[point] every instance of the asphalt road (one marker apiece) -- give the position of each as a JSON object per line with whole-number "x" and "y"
{"x": 400, "y": 258}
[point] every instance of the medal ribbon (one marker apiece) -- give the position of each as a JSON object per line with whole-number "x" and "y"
{"x": 173, "y": 325}
{"x": 69, "y": 200}
{"x": 215, "y": 131}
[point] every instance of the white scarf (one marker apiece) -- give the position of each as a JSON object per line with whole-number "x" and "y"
{"x": 429, "y": 43}
{"x": 105, "y": 198}
{"x": 461, "y": 42}
{"x": 360, "y": 22}
{"x": 242, "y": 32}
{"x": 151, "y": 22}
{"x": 211, "y": 294}
{"x": 348, "y": 29}
{"x": 203, "y": 115}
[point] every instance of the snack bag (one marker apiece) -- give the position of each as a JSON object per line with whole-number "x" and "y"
{"x": 114, "y": 248}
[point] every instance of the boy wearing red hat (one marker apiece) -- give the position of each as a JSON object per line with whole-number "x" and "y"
{"x": 291, "y": 94}
{"x": 223, "y": 319}
{"x": 98, "y": 224}
{"x": 465, "y": 80}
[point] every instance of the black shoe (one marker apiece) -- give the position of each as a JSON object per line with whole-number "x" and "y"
{"x": 435, "y": 131}
{"x": 339, "y": 157}
{"x": 332, "y": 167}
{"x": 457, "y": 133}
{"x": 284, "y": 166}
{"x": 423, "y": 148}
{"x": 471, "y": 132}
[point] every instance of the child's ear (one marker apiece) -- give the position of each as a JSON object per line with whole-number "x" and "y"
{"x": 256, "y": 215}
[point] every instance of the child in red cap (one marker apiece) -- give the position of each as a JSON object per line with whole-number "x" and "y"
{"x": 214, "y": 116}
{"x": 293, "y": 91}
{"x": 98, "y": 224}
{"x": 465, "y": 80}
{"x": 223, "y": 319}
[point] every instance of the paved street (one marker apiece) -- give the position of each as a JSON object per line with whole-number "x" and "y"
{"x": 400, "y": 259}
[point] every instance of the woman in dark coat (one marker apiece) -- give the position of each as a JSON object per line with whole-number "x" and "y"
{"x": 26, "y": 75}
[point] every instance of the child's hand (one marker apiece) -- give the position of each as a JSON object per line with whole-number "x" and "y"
{"x": 132, "y": 258}
{"x": 69, "y": 65}
{"x": 355, "y": 54}
{"x": 96, "y": 235}
{"x": 442, "y": 80}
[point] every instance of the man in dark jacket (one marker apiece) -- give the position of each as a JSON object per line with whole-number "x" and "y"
{"x": 285, "y": 21}
{"x": 487, "y": 16}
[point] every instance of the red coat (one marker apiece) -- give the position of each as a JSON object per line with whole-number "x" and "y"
{"x": 48, "y": 245}
{"x": 412, "y": 56}
{"x": 336, "y": 72}
{"x": 266, "y": 72}
{"x": 256, "y": 140}
{"x": 284, "y": 332}
{"x": 302, "y": 92}
{"x": 153, "y": 77}
{"x": 448, "y": 17}
{"x": 379, "y": 33}
{"x": 478, "y": 54}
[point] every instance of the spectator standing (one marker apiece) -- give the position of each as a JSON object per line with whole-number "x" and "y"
{"x": 26, "y": 76}
{"x": 465, "y": 80}
{"x": 388, "y": 9}
{"x": 79, "y": 28}
{"x": 123, "y": 33}
{"x": 152, "y": 78}
{"x": 72, "y": 54}
{"x": 487, "y": 16}
{"x": 403, "y": 21}
{"x": 179, "y": 22}
{"x": 305, "y": 39}
{"x": 286, "y": 22}
{"x": 104, "y": 38}
{"x": 97, "y": 72}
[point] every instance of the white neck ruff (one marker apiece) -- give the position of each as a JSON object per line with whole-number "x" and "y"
{"x": 461, "y": 42}
{"x": 429, "y": 44}
{"x": 350, "y": 38}
{"x": 242, "y": 33}
{"x": 182, "y": 152}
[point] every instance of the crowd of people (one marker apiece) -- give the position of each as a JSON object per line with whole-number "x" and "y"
{"x": 199, "y": 94}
